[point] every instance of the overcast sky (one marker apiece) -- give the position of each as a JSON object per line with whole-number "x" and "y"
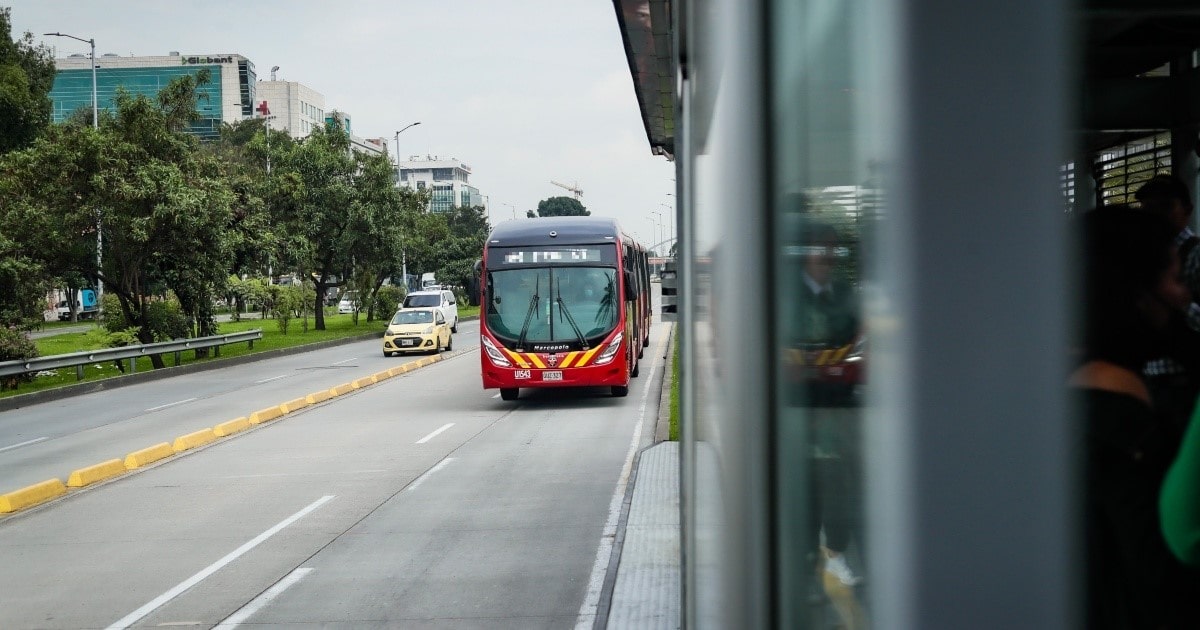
{"x": 524, "y": 91}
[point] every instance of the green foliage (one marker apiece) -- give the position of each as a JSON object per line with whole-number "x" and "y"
{"x": 121, "y": 338}
{"x": 251, "y": 293}
{"x": 26, "y": 76}
{"x": 14, "y": 345}
{"x": 287, "y": 302}
{"x": 561, "y": 207}
{"x": 164, "y": 318}
{"x": 387, "y": 300}
{"x": 23, "y": 286}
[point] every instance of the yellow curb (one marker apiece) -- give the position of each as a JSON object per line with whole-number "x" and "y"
{"x": 363, "y": 382}
{"x": 382, "y": 376}
{"x": 137, "y": 459}
{"x": 319, "y": 397}
{"x": 232, "y": 426}
{"x": 99, "y": 472}
{"x": 31, "y": 495}
{"x": 344, "y": 388}
{"x": 264, "y": 415}
{"x": 396, "y": 371}
{"x": 293, "y": 405}
{"x": 192, "y": 440}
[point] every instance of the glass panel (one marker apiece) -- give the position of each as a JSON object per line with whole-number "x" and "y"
{"x": 824, "y": 203}
{"x": 552, "y": 304}
{"x": 413, "y": 317}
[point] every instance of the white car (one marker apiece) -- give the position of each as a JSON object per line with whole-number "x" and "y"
{"x": 442, "y": 300}
{"x": 346, "y": 304}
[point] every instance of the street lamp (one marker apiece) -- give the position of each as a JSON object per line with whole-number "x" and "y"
{"x": 511, "y": 207}
{"x": 398, "y": 150}
{"x": 403, "y": 251}
{"x": 95, "y": 125}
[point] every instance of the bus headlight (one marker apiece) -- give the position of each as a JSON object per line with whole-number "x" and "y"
{"x": 494, "y": 354}
{"x": 610, "y": 350}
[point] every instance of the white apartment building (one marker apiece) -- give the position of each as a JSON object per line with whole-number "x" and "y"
{"x": 290, "y": 106}
{"x": 298, "y": 109}
{"x": 447, "y": 179}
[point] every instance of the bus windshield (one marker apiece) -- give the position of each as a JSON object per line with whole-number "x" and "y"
{"x": 552, "y": 304}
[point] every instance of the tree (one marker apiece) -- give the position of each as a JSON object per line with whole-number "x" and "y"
{"x": 468, "y": 227}
{"x": 163, "y": 206}
{"x": 312, "y": 200}
{"x": 26, "y": 77}
{"x": 561, "y": 207}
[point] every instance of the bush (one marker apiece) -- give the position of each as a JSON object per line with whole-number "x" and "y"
{"x": 15, "y": 345}
{"x": 165, "y": 318}
{"x": 286, "y": 303}
{"x": 387, "y": 300}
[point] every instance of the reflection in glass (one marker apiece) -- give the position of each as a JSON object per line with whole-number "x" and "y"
{"x": 552, "y": 304}
{"x": 824, "y": 204}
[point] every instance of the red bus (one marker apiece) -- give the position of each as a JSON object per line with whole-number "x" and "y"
{"x": 565, "y": 302}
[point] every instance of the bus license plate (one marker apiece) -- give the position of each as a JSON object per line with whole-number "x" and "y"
{"x": 552, "y": 375}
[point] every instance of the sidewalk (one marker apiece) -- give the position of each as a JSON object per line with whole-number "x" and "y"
{"x": 647, "y": 590}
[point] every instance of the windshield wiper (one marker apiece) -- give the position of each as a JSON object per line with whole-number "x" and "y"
{"x": 533, "y": 304}
{"x": 562, "y": 310}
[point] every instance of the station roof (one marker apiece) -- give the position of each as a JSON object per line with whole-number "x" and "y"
{"x": 1125, "y": 88}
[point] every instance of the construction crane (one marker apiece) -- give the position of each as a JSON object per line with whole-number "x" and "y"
{"x": 575, "y": 189}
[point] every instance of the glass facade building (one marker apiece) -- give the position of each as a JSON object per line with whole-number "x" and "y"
{"x": 232, "y": 79}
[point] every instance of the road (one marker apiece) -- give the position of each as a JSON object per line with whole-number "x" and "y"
{"x": 421, "y": 501}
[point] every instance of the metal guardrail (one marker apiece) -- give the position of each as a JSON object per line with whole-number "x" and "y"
{"x": 80, "y": 359}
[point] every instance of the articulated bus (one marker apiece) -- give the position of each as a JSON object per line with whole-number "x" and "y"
{"x": 565, "y": 303}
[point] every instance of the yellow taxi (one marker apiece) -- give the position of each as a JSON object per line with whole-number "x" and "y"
{"x": 417, "y": 330}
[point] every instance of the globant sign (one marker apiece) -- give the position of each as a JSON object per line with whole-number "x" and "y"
{"x": 206, "y": 60}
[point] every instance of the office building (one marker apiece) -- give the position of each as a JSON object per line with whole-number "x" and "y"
{"x": 447, "y": 179}
{"x": 228, "y": 97}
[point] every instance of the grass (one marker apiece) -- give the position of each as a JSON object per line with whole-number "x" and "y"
{"x": 337, "y": 327}
{"x": 674, "y": 430}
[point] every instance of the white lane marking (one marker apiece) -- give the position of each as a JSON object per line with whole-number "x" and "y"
{"x": 25, "y": 443}
{"x": 420, "y": 480}
{"x": 177, "y": 402}
{"x": 268, "y": 380}
{"x": 157, "y": 602}
{"x": 591, "y": 601}
{"x": 257, "y": 603}
{"x": 345, "y": 361}
{"x": 435, "y": 433}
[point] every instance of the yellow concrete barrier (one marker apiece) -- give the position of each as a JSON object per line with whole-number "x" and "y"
{"x": 397, "y": 371}
{"x": 363, "y": 382}
{"x": 344, "y": 388}
{"x": 30, "y": 496}
{"x": 232, "y": 426}
{"x": 265, "y": 415}
{"x": 293, "y": 405}
{"x": 137, "y": 459}
{"x": 319, "y": 397}
{"x": 192, "y": 440}
{"x": 99, "y": 472}
{"x": 382, "y": 376}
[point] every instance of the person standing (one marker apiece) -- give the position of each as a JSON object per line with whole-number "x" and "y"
{"x": 1174, "y": 376}
{"x": 1131, "y": 291}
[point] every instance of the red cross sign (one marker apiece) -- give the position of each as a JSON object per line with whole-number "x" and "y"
{"x": 263, "y": 109}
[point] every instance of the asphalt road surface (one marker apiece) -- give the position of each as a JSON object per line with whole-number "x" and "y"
{"x": 421, "y": 501}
